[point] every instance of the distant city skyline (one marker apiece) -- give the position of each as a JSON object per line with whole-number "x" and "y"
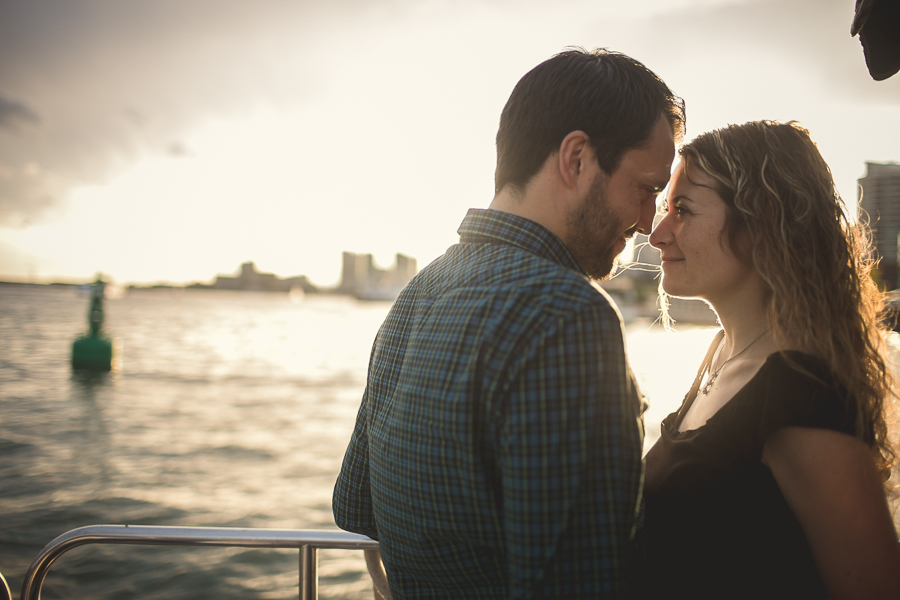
{"x": 219, "y": 274}
{"x": 360, "y": 277}
{"x": 165, "y": 141}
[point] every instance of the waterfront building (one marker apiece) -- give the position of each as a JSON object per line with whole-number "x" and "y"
{"x": 249, "y": 279}
{"x": 362, "y": 279}
{"x": 879, "y": 196}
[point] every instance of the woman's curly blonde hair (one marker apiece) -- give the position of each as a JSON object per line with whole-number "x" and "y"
{"x": 786, "y": 219}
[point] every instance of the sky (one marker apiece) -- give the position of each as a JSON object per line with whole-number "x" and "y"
{"x": 170, "y": 141}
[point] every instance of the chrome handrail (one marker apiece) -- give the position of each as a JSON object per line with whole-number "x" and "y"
{"x": 308, "y": 541}
{"x": 5, "y": 594}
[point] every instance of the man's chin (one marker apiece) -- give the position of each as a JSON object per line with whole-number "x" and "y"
{"x": 603, "y": 271}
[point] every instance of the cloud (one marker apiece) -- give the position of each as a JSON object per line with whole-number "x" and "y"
{"x": 98, "y": 84}
{"x": 810, "y": 37}
{"x": 25, "y": 194}
{"x": 13, "y": 113}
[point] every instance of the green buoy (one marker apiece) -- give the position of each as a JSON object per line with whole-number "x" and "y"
{"x": 94, "y": 351}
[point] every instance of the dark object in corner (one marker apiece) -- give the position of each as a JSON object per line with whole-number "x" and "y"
{"x": 878, "y": 24}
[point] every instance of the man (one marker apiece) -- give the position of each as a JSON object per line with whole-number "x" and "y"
{"x": 497, "y": 451}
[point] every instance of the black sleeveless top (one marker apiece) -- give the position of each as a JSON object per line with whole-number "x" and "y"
{"x": 716, "y": 524}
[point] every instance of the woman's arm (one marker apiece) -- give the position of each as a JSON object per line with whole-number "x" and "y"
{"x": 830, "y": 481}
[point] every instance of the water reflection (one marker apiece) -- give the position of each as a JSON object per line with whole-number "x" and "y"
{"x": 91, "y": 445}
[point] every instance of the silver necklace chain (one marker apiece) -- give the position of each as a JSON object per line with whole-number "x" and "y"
{"x": 711, "y": 379}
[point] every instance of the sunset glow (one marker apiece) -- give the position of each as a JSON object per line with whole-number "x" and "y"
{"x": 162, "y": 145}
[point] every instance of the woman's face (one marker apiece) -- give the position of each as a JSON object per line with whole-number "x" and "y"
{"x": 696, "y": 259}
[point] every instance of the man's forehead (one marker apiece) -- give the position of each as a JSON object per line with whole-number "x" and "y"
{"x": 653, "y": 162}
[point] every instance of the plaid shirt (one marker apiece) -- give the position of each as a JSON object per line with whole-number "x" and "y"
{"x": 497, "y": 451}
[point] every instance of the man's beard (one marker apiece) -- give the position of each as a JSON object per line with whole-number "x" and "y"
{"x": 594, "y": 232}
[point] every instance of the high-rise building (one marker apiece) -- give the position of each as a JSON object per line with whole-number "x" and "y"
{"x": 880, "y": 197}
{"x": 361, "y": 278}
{"x": 404, "y": 270}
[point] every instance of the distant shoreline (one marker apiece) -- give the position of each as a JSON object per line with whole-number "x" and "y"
{"x": 51, "y": 283}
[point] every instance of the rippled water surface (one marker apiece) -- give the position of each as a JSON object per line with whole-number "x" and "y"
{"x": 229, "y": 409}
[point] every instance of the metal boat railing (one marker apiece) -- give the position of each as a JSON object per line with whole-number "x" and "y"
{"x": 307, "y": 541}
{"x": 4, "y": 589}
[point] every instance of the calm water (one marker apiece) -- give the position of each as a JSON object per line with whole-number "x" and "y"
{"x": 229, "y": 409}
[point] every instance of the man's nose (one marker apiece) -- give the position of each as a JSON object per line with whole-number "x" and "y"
{"x": 645, "y": 221}
{"x": 659, "y": 236}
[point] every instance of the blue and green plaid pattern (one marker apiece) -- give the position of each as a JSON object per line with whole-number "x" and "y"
{"x": 497, "y": 451}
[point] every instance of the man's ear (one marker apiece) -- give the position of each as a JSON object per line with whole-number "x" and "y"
{"x": 574, "y": 151}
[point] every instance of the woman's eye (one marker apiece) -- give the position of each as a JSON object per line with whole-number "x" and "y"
{"x": 665, "y": 208}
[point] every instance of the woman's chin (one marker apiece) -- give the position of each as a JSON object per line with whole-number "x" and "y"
{"x": 672, "y": 289}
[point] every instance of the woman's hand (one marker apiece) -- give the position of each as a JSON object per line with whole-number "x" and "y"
{"x": 830, "y": 481}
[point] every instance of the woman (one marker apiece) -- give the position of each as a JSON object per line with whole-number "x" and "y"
{"x": 770, "y": 480}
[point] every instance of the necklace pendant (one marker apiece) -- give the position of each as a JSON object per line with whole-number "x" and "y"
{"x": 709, "y": 383}
{"x": 713, "y": 374}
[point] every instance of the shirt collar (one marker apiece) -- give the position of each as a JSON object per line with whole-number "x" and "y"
{"x": 494, "y": 226}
